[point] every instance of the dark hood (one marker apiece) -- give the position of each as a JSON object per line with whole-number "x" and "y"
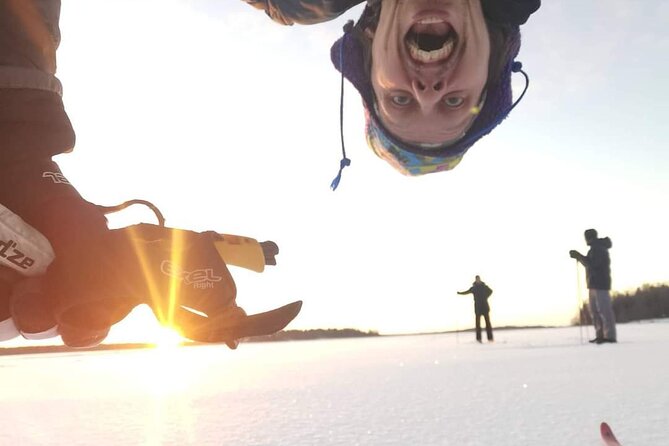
{"x": 604, "y": 243}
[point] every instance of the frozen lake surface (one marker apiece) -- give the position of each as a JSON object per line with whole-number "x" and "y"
{"x": 530, "y": 387}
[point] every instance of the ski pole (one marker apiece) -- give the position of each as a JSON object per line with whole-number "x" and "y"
{"x": 580, "y": 302}
{"x": 457, "y": 330}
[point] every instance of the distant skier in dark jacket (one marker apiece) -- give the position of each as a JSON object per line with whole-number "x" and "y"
{"x": 481, "y": 293}
{"x": 598, "y": 277}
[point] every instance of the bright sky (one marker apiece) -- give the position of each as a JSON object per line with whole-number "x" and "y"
{"x": 229, "y": 122}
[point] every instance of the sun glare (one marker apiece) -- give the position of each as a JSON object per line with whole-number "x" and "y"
{"x": 166, "y": 338}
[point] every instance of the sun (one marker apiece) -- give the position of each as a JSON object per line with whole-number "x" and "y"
{"x": 164, "y": 337}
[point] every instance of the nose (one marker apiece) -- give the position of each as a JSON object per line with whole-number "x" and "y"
{"x": 428, "y": 92}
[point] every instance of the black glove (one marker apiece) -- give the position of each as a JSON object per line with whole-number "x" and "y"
{"x": 512, "y": 12}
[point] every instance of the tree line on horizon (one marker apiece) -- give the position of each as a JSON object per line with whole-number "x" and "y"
{"x": 646, "y": 302}
{"x": 319, "y": 333}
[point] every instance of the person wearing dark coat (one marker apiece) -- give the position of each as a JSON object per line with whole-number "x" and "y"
{"x": 481, "y": 293}
{"x": 43, "y": 216}
{"x": 597, "y": 265}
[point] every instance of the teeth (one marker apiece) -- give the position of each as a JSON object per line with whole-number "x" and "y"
{"x": 431, "y": 56}
{"x": 430, "y": 20}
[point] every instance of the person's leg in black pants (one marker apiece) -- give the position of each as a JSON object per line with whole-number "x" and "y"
{"x": 478, "y": 327}
{"x": 488, "y": 326}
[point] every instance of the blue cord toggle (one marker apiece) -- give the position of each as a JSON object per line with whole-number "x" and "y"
{"x": 343, "y": 163}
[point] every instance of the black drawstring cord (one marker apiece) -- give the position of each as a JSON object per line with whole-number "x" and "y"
{"x": 109, "y": 209}
{"x": 344, "y": 161}
{"x": 517, "y": 67}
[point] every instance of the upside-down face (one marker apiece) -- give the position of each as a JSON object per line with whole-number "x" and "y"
{"x": 429, "y": 68}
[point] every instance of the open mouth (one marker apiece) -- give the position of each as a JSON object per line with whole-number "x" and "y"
{"x": 431, "y": 40}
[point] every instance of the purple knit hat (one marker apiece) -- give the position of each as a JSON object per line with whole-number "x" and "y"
{"x": 347, "y": 55}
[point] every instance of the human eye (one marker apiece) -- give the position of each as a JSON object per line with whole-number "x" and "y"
{"x": 400, "y": 99}
{"x": 454, "y": 101}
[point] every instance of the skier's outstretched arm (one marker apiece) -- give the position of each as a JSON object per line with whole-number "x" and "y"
{"x": 580, "y": 257}
{"x": 303, "y": 12}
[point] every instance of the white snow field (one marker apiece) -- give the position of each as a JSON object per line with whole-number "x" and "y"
{"x": 530, "y": 387}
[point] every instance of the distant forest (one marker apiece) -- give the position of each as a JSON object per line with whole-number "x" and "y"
{"x": 295, "y": 335}
{"x": 647, "y": 302}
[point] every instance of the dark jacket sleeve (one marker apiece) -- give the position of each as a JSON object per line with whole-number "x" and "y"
{"x": 596, "y": 258}
{"x": 513, "y": 12}
{"x": 583, "y": 260}
{"x": 33, "y": 122}
{"x": 304, "y": 12}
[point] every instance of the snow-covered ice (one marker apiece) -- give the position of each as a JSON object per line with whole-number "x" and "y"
{"x": 531, "y": 387}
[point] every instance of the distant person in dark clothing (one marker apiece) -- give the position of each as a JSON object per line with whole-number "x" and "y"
{"x": 481, "y": 293}
{"x": 598, "y": 276}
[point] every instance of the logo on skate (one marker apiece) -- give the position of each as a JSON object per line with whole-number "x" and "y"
{"x": 10, "y": 252}
{"x": 56, "y": 177}
{"x": 199, "y": 278}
